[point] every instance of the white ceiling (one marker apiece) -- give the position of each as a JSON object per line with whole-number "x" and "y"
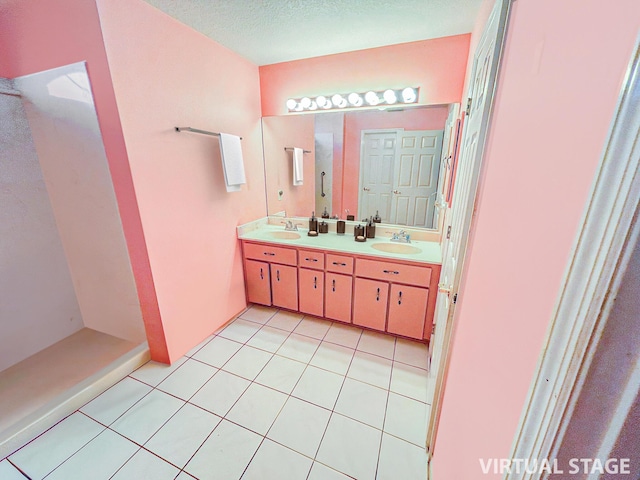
{"x": 272, "y": 31}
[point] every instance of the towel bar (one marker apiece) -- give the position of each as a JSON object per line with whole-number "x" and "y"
{"x": 195, "y": 130}
{"x": 291, "y": 148}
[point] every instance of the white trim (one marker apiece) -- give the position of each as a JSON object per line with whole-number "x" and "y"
{"x": 71, "y": 400}
{"x": 588, "y": 280}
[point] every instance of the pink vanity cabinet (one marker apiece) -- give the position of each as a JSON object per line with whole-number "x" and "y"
{"x": 280, "y": 286}
{"x": 393, "y": 296}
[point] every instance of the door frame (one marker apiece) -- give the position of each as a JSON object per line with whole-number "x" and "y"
{"x": 599, "y": 256}
{"x": 447, "y": 324}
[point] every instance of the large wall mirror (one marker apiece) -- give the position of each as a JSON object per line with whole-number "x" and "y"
{"x": 395, "y": 163}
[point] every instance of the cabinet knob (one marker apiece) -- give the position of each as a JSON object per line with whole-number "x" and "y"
{"x": 261, "y": 275}
{"x": 315, "y": 282}
{"x": 378, "y": 295}
{"x": 333, "y": 285}
{"x": 399, "y": 298}
{"x": 278, "y": 275}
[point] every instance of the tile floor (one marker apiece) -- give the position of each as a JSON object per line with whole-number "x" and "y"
{"x": 274, "y": 395}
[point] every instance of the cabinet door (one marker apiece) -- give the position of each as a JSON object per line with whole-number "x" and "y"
{"x": 311, "y": 284}
{"x": 258, "y": 285}
{"x": 337, "y": 298}
{"x": 284, "y": 286}
{"x": 407, "y": 310}
{"x": 370, "y": 303}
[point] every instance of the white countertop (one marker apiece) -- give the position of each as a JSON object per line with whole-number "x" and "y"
{"x": 430, "y": 252}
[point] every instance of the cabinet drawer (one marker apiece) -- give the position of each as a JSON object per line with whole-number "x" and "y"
{"x": 339, "y": 263}
{"x": 393, "y": 272}
{"x": 311, "y": 259}
{"x": 268, "y": 253}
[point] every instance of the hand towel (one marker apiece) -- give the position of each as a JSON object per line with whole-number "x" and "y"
{"x": 232, "y": 162}
{"x": 298, "y": 165}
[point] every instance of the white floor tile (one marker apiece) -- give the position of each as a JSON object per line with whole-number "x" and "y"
{"x": 147, "y": 416}
{"x": 362, "y": 402}
{"x": 247, "y": 362}
{"x": 257, "y": 408}
{"x": 400, "y": 459}
{"x": 240, "y": 330}
{"x": 152, "y": 373}
{"x": 9, "y": 472}
{"x": 109, "y": 405}
{"x": 344, "y": 335}
{"x": 407, "y": 419}
{"x": 299, "y": 347}
{"x": 230, "y": 448}
{"x": 259, "y": 314}
{"x": 53, "y": 447}
{"x": 300, "y": 426}
{"x": 285, "y": 320}
{"x": 322, "y": 472}
{"x": 195, "y": 349}
{"x": 319, "y": 387}
{"x": 183, "y": 434}
{"x": 273, "y": 461}
{"x": 313, "y": 327}
{"x": 218, "y": 351}
{"x": 334, "y": 358}
{"x": 99, "y": 459}
{"x": 146, "y": 466}
{"x": 188, "y": 379}
{"x": 371, "y": 369}
{"x": 281, "y": 373}
{"x": 412, "y": 353}
{"x": 185, "y": 476}
{"x": 220, "y": 393}
{"x": 409, "y": 381}
{"x": 269, "y": 339}
{"x": 350, "y": 447}
{"x": 377, "y": 343}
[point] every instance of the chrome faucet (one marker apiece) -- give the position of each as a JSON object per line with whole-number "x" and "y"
{"x": 290, "y": 226}
{"x": 401, "y": 237}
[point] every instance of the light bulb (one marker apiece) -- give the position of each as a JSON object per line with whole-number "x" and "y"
{"x": 321, "y": 101}
{"x": 409, "y": 95}
{"x": 390, "y": 96}
{"x": 355, "y": 99}
{"x": 372, "y": 98}
{"x": 313, "y": 106}
{"x": 337, "y": 99}
{"x": 327, "y": 104}
{"x": 291, "y": 104}
{"x": 305, "y": 102}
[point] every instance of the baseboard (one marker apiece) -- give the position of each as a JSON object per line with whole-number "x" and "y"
{"x": 64, "y": 405}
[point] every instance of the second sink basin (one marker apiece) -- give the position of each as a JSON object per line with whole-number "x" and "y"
{"x": 285, "y": 235}
{"x": 396, "y": 248}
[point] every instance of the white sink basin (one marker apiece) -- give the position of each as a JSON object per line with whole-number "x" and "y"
{"x": 284, "y": 235}
{"x": 397, "y": 248}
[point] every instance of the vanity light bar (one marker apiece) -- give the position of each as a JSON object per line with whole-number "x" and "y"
{"x": 354, "y": 100}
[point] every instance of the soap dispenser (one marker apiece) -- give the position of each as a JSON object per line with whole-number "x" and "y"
{"x": 376, "y": 218}
{"x": 325, "y": 214}
{"x": 371, "y": 228}
{"x": 313, "y": 225}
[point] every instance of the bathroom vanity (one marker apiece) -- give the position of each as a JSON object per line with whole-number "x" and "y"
{"x": 378, "y": 284}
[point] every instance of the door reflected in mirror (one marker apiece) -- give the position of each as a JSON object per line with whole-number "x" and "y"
{"x": 395, "y": 163}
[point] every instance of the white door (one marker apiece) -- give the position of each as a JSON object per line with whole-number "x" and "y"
{"x": 458, "y": 218}
{"x": 450, "y": 140}
{"x": 376, "y": 173}
{"x": 415, "y": 178}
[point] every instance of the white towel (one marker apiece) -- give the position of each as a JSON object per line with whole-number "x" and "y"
{"x": 298, "y": 165}
{"x": 232, "y": 163}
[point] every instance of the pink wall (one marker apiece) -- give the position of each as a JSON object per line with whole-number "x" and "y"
{"x": 44, "y": 34}
{"x": 278, "y": 133}
{"x": 563, "y": 68}
{"x": 432, "y": 118}
{"x": 437, "y": 66}
{"x": 164, "y": 75}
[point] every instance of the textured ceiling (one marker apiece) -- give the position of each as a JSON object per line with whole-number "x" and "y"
{"x": 272, "y": 31}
